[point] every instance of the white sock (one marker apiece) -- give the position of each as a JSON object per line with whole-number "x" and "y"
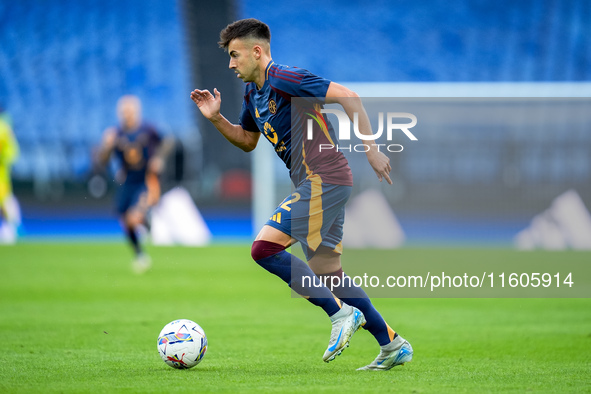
{"x": 344, "y": 311}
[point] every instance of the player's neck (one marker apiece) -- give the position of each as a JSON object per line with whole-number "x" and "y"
{"x": 130, "y": 128}
{"x": 262, "y": 77}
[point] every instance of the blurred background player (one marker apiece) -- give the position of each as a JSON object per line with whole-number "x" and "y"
{"x": 314, "y": 214}
{"x": 9, "y": 208}
{"x": 140, "y": 152}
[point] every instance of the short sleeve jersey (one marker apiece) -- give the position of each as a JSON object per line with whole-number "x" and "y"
{"x": 269, "y": 110}
{"x": 134, "y": 150}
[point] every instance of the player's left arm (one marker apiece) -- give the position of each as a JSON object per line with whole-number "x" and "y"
{"x": 351, "y": 103}
{"x": 155, "y": 166}
{"x": 107, "y": 146}
{"x": 165, "y": 147}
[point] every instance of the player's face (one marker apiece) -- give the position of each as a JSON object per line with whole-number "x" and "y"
{"x": 242, "y": 59}
{"x": 129, "y": 113}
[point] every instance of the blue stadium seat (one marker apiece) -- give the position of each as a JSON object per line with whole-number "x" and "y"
{"x": 64, "y": 64}
{"x": 526, "y": 40}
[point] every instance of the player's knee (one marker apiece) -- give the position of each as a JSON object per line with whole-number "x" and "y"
{"x": 134, "y": 218}
{"x": 263, "y": 249}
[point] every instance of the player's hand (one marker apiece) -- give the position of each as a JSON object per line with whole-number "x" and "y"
{"x": 109, "y": 138}
{"x": 208, "y": 104}
{"x": 156, "y": 165}
{"x": 153, "y": 189}
{"x": 380, "y": 164}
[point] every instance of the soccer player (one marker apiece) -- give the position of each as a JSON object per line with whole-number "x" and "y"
{"x": 9, "y": 208}
{"x": 314, "y": 213}
{"x": 140, "y": 151}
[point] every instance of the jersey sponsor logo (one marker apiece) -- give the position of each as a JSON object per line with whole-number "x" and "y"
{"x": 272, "y": 106}
{"x": 280, "y": 147}
{"x": 133, "y": 154}
{"x": 270, "y": 133}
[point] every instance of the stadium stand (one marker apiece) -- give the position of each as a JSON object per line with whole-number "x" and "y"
{"x": 404, "y": 41}
{"x": 65, "y": 63}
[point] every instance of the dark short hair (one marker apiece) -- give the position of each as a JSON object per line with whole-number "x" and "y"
{"x": 244, "y": 28}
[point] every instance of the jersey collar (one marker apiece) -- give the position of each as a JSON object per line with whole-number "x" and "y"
{"x": 268, "y": 68}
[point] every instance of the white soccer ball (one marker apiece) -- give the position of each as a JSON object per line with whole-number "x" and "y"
{"x": 182, "y": 344}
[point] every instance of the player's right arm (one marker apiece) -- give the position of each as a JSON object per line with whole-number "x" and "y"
{"x": 351, "y": 103}
{"x": 109, "y": 137}
{"x": 209, "y": 105}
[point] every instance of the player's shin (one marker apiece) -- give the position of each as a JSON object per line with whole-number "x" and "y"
{"x": 296, "y": 273}
{"x": 133, "y": 238}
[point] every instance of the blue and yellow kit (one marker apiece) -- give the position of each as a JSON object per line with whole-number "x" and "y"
{"x": 314, "y": 213}
{"x": 134, "y": 150}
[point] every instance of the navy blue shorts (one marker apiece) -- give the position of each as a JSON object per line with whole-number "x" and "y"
{"x": 129, "y": 195}
{"x": 313, "y": 215}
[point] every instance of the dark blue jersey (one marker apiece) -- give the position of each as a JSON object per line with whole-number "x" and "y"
{"x": 134, "y": 149}
{"x": 270, "y": 111}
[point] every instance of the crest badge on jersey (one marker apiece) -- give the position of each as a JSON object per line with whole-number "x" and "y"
{"x": 272, "y": 106}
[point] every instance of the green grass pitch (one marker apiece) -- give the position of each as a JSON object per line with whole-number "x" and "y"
{"x": 73, "y": 318}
